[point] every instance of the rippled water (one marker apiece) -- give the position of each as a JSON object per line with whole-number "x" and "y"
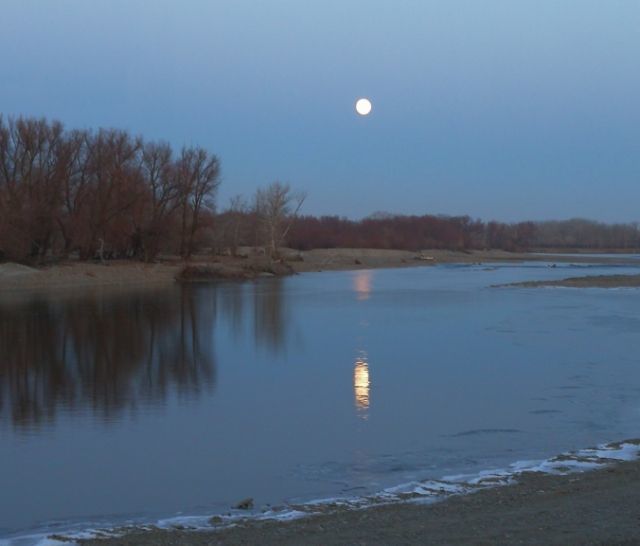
{"x": 130, "y": 406}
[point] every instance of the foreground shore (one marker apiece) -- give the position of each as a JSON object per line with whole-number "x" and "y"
{"x": 73, "y": 275}
{"x": 592, "y": 508}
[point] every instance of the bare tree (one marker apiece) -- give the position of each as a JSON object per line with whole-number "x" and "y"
{"x": 159, "y": 176}
{"x": 105, "y": 193}
{"x": 276, "y": 207}
{"x": 198, "y": 179}
{"x": 238, "y": 210}
{"x": 34, "y": 161}
{"x": 115, "y": 184}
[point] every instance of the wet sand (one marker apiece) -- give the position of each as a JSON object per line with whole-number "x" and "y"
{"x": 600, "y": 507}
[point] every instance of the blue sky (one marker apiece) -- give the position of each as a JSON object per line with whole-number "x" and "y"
{"x": 497, "y": 108}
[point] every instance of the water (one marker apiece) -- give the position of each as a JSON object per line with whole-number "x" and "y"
{"x": 133, "y": 406}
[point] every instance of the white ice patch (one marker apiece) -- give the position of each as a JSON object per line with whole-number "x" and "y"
{"x": 285, "y": 515}
{"x": 188, "y": 522}
{"x": 36, "y": 540}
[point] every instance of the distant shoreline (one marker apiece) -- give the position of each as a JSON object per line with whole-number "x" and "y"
{"x": 588, "y": 281}
{"x": 74, "y": 275}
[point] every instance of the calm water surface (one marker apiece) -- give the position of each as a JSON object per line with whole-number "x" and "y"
{"x": 119, "y": 406}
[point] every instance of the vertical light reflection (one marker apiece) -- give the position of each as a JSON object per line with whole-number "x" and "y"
{"x": 361, "y": 386}
{"x": 362, "y": 284}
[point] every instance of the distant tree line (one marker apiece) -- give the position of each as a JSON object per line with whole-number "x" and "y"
{"x": 586, "y": 234}
{"x": 458, "y": 233}
{"x": 106, "y": 194}
{"x": 409, "y": 233}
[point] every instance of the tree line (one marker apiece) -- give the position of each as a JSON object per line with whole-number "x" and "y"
{"x": 388, "y": 231}
{"x": 586, "y": 234}
{"x": 99, "y": 192}
{"x": 401, "y": 232}
{"x": 105, "y": 193}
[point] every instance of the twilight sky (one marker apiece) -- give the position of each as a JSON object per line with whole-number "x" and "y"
{"x": 502, "y": 109}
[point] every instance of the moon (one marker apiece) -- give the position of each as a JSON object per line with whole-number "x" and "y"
{"x": 363, "y": 106}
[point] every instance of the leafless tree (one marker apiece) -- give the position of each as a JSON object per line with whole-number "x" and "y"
{"x": 238, "y": 210}
{"x": 276, "y": 207}
{"x": 198, "y": 178}
{"x": 116, "y": 186}
{"x": 164, "y": 192}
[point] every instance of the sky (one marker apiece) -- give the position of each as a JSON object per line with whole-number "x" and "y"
{"x": 499, "y": 109}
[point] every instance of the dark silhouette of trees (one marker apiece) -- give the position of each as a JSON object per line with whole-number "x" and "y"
{"x": 458, "y": 233}
{"x": 409, "y": 233}
{"x": 99, "y": 194}
{"x": 164, "y": 192}
{"x": 197, "y": 179}
{"x": 388, "y": 231}
{"x": 34, "y": 162}
{"x": 579, "y": 233}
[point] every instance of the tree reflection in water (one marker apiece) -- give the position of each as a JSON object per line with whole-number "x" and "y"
{"x": 107, "y": 352}
{"x": 115, "y": 351}
{"x": 270, "y": 314}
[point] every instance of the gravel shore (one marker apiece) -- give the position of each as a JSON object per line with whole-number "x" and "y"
{"x": 600, "y": 507}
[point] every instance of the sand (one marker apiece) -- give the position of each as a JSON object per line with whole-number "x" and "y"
{"x": 353, "y": 258}
{"x": 74, "y": 275}
{"x": 589, "y": 281}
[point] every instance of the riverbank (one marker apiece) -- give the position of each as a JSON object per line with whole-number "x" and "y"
{"x": 590, "y": 281}
{"x": 75, "y": 275}
{"x": 591, "y": 508}
{"x": 127, "y": 273}
{"x": 354, "y": 258}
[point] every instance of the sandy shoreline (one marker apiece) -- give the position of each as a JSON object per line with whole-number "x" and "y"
{"x": 595, "y": 507}
{"x": 588, "y": 281}
{"x": 349, "y": 258}
{"x": 14, "y": 277}
{"x": 69, "y": 276}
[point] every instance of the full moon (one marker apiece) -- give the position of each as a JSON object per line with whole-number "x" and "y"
{"x": 363, "y": 107}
